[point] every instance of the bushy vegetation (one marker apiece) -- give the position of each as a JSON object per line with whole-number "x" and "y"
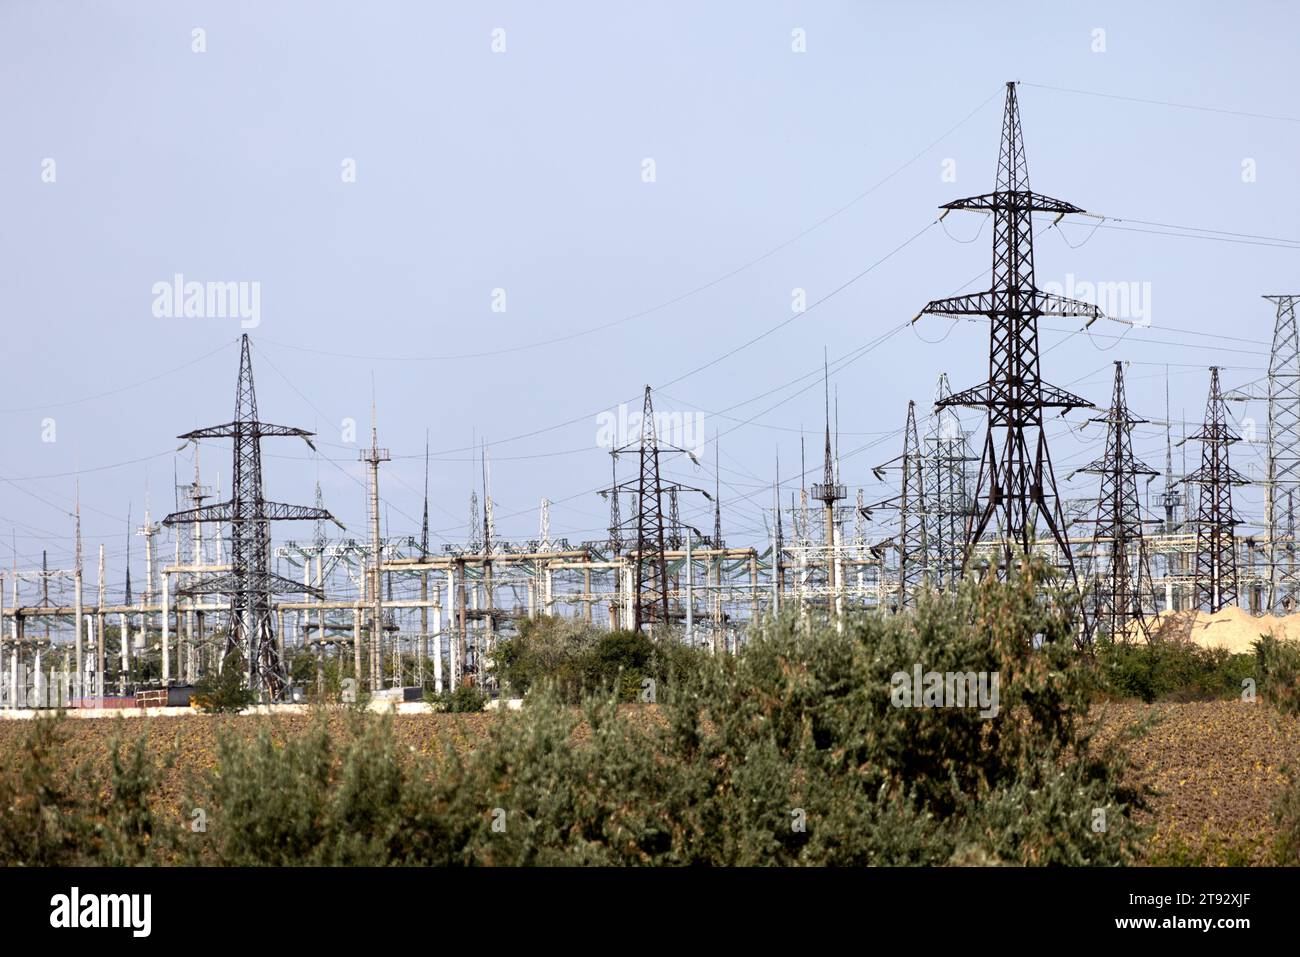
{"x": 577, "y": 661}
{"x": 1170, "y": 670}
{"x": 792, "y": 752}
{"x": 1286, "y": 813}
{"x": 53, "y": 816}
{"x": 465, "y": 699}
{"x": 223, "y": 692}
{"x": 1278, "y": 666}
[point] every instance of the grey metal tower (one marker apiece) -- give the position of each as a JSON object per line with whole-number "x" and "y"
{"x": 250, "y": 582}
{"x": 947, "y": 497}
{"x": 1122, "y": 578}
{"x": 1216, "y": 522}
{"x": 1016, "y": 490}
{"x": 911, "y": 541}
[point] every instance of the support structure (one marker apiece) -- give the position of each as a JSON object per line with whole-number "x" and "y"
{"x": 1216, "y": 522}
{"x": 249, "y": 583}
{"x": 1283, "y": 456}
{"x": 651, "y": 576}
{"x": 910, "y": 542}
{"x": 946, "y": 489}
{"x": 1016, "y": 490}
{"x": 1121, "y": 576}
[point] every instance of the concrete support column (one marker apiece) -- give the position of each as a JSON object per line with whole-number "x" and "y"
{"x": 166, "y": 627}
{"x": 437, "y": 647}
{"x": 124, "y": 640}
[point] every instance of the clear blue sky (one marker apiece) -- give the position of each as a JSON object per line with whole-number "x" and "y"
{"x": 522, "y": 170}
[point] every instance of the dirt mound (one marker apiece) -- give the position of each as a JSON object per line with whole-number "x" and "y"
{"x": 1232, "y": 628}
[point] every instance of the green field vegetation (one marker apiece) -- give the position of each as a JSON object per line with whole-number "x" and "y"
{"x": 790, "y": 753}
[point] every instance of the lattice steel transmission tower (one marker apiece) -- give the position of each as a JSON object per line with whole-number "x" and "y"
{"x": 250, "y": 582}
{"x": 1281, "y": 389}
{"x": 1016, "y": 486}
{"x": 1122, "y": 577}
{"x": 1216, "y": 522}
{"x": 650, "y": 594}
{"x": 1283, "y": 453}
{"x": 912, "y": 540}
{"x": 947, "y": 497}
{"x": 650, "y": 598}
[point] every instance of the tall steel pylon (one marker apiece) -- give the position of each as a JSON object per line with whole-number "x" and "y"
{"x": 651, "y": 578}
{"x": 1216, "y": 522}
{"x": 1122, "y": 577}
{"x": 1283, "y": 454}
{"x": 1281, "y": 389}
{"x": 250, "y": 583}
{"x": 615, "y": 511}
{"x": 911, "y": 541}
{"x": 947, "y": 497}
{"x": 1016, "y": 487}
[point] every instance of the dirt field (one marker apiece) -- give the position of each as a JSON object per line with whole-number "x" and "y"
{"x": 1212, "y": 768}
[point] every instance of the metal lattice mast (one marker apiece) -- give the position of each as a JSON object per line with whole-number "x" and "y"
{"x": 1283, "y": 454}
{"x": 911, "y": 541}
{"x": 250, "y": 582}
{"x": 650, "y": 597}
{"x": 1216, "y": 553}
{"x": 615, "y": 509}
{"x": 319, "y": 539}
{"x": 674, "y": 520}
{"x": 947, "y": 496}
{"x": 914, "y": 559}
{"x": 1122, "y": 575}
{"x": 475, "y": 543}
{"x": 1016, "y": 489}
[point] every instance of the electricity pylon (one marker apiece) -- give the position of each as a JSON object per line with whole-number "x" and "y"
{"x": 651, "y": 578}
{"x": 1016, "y": 487}
{"x": 947, "y": 498}
{"x": 1216, "y": 522}
{"x": 911, "y": 541}
{"x": 1281, "y": 389}
{"x": 250, "y": 583}
{"x": 1122, "y": 577}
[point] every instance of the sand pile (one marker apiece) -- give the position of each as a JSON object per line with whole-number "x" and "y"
{"x": 1232, "y": 628}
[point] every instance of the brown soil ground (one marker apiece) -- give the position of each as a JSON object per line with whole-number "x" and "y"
{"x": 1212, "y": 769}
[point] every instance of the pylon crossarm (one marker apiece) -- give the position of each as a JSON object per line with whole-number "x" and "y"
{"x": 261, "y": 512}
{"x": 246, "y": 429}
{"x": 1018, "y": 200}
{"x": 228, "y": 583}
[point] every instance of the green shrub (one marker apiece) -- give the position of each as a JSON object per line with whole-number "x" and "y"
{"x": 1278, "y": 662}
{"x": 55, "y": 815}
{"x": 224, "y": 692}
{"x": 465, "y": 699}
{"x": 1169, "y": 670}
{"x": 577, "y": 661}
{"x": 309, "y": 800}
{"x": 791, "y": 752}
